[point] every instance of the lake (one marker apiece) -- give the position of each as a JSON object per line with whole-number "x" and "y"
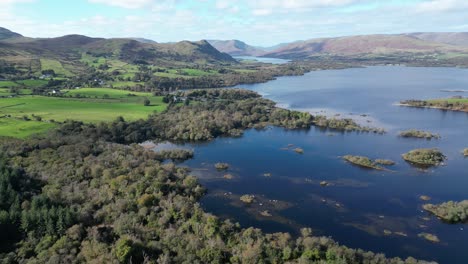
{"x": 361, "y": 208}
{"x": 261, "y": 59}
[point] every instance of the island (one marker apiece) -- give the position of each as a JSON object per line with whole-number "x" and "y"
{"x": 344, "y": 124}
{"x": 368, "y": 163}
{"x": 452, "y": 104}
{"x": 451, "y": 212}
{"x": 465, "y": 152}
{"x": 221, "y": 166}
{"x": 424, "y": 157}
{"x": 413, "y": 133}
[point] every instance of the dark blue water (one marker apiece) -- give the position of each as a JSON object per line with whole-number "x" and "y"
{"x": 359, "y": 204}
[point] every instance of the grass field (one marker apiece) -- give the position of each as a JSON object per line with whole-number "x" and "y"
{"x": 125, "y": 84}
{"x": 112, "y": 93}
{"x": 10, "y": 127}
{"x": 47, "y": 64}
{"x": 8, "y": 84}
{"x": 5, "y": 92}
{"x": 33, "y": 83}
{"x": 89, "y": 110}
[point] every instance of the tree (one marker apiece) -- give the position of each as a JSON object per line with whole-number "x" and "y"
{"x": 146, "y": 102}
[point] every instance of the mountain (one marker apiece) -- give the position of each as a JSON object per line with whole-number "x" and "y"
{"x": 361, "y": 45}
{"x": 144, "y": 40}
{"x": 7, "y": 34}
{"x": 452, "y": 38}
{"x": 73, "y": 53}
{"x": 236, "y": 48}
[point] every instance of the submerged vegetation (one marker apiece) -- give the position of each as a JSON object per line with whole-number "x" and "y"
{"x": 452, "y": 212}
{"x": 367, "y": 163}
{"x": 453, "y": 104}
{"x": 418, "y": 134}
{"x": 424, "y": 157}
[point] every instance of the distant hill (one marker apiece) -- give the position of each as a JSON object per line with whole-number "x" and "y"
{"x": 359, "y": 45}
{"x": 6, "y": 34}
{"x": 236, "y": 48}
{"x": 30, "y": 54}
{"x": 144, "y": 40}
{"x": 452, "y": 38}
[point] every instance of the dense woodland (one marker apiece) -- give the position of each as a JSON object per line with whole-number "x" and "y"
{"x": 86, "y": 193}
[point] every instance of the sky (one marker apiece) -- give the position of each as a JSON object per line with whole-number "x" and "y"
{"x": 257, "y": 22}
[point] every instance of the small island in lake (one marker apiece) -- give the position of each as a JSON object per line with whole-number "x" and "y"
{"x": 413, "y": 133}
{"x": 424, "y": 157}
{"x": 452, "y": 212}
{"x": 465, "y": 152}
{"x": 247, "y": 198}
{"x": 368, "y": 163}
{"x": 429, "y": 237}
{"x": 453, "y": 104}
{"x": 344, "y": 124}
{"x": 221, "y": 166}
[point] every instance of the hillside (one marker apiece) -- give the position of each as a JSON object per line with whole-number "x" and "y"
{"x": 6, "y": 34}
{"x": 452, "y": 38}
{"x": 359, "y": 45}
{"x": 29, "y": 54}
{"x": 236, "y": 48}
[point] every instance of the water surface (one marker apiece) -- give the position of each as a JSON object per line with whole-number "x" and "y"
{"x": 262, "y": 59}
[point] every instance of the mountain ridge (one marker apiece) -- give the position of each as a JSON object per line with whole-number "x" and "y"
{"x": 354, "y": 45}
{"x": 7, "y": 34}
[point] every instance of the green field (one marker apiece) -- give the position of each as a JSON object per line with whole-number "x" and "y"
{"x": 112, "y": 93}
{"x": 5, "y": 92}
{"x": 10, "y": 127}
{"x": 197, "y": 72}
{"x": 7, "y": 84}
{"x": 90, "y": 110}
{"x": 125, "y": 84}
{"x": 33, "y": 83}
{"x": 47, "y": 64}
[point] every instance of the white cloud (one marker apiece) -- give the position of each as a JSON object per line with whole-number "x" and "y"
{"x": 261, "y": 12}
{"x": 298, "y": 4}
{"x": 130, "y": 4}
{"x": 442, "y": 5}
{"x": 267, "y": 7}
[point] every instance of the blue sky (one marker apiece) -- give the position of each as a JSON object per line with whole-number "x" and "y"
{"x": 257, "y": 22}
